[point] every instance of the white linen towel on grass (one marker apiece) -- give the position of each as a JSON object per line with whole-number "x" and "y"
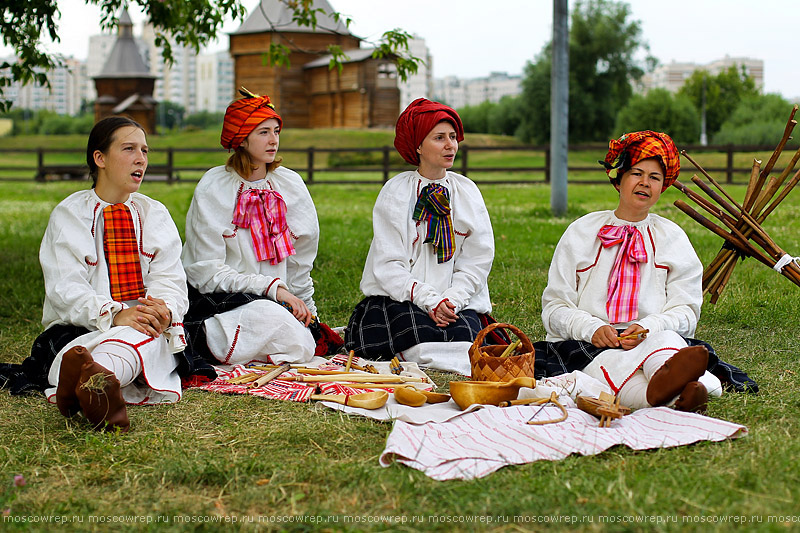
{"x": 478, "y": 443}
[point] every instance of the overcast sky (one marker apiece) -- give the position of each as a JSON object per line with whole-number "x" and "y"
{"x": 471, "y": 38}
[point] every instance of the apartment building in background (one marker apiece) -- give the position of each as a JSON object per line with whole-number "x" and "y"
{"x": 215, "y": 85}
{"x": 673, "y": 75}
{"x": 460, "y": 92}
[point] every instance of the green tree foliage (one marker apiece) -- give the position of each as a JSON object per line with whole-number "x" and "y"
{"x": 723, "y": 93}
{"x": 192, "y": 23}
{"x": 501, "y": 118}
{"x": 505, "y": 117}
{"x": 24, "y": 24}
{"x": 203, "y": 119}
{"x": 535, "y": 100}
{"x": 602, "y": 44}
{"x": 476, "y": 117}
{"x": 45, "y": 122}
{"x": 659, "y": 110}
{"x": 758, "y": 119}
{"x": 170, "y": 115}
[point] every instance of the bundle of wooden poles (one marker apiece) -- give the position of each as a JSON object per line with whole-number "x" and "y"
{"x": 740, "y": 225}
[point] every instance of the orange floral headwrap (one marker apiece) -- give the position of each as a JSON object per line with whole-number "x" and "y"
{"x": 418, "y": 119}
{"x": 634, "y": 147}
{"x": 242, "y": 117}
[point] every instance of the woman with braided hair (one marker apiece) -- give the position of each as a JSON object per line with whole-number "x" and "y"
{"x": 251, "y": 240}
{"x": 617, "y": 273}
{"x": 425, "y": 277}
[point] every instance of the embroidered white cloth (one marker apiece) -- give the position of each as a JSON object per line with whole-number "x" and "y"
{"x": 297, "y": 391}
{"x": 478, "y": 443}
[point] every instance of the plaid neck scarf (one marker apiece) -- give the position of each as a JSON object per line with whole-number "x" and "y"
{"x": 264, "y": 212}
{"x": 122, "y": 254}
{"x": 433, "y": 205}
{"x": 624, "y": 282}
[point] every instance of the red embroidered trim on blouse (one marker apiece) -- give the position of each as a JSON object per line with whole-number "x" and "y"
{"x": 233, "y": 346}
{"x": 653, "y": 243}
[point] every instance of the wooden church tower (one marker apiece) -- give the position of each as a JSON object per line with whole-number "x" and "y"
{"x": 307, "y": 94}
{"x": 125, "y": 85}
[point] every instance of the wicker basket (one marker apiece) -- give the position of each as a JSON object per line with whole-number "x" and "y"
{"x": 487, "y": 365}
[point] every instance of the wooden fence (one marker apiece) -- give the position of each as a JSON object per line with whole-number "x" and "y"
{"x": 377, "y": 166}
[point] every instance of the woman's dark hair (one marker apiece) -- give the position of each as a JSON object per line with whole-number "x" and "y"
{"x": 625, "y": 165}
{"x": 101, "y": 137}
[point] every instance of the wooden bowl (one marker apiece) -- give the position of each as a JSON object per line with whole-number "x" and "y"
{"x": 409, "y": 396}
{"x": 435, "y": 397}
{"x": 466, "y": 393}
{"x": 364, "y": 400}
{"x": 414, "y": 397}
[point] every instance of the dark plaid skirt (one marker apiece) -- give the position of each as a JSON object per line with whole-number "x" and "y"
{"x": 554, "y": 358}
{"x": 380, "y": 327}
{"x": 30, "y": 376}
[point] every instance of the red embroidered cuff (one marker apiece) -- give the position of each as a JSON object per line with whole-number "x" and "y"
{"x": 440, "y": 303}
{"x": 271, "y": 283}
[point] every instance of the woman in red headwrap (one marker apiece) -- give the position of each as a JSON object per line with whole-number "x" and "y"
{"x": 425, "y": 277}
{"x": 619, "y": 273}
{"x": 251, "y": 240}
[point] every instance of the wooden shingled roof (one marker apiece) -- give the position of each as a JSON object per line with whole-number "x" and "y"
{"x": 125, "y": 60}
{"x": 272, "y": 15}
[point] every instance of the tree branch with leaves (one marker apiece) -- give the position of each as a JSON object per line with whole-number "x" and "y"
{"x": 24, "y": 26}
{"x": 393, "y": 44}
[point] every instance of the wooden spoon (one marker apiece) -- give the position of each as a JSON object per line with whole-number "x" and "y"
{"x": 434, "y": 397}
{"x": 466, "y": 393}
{"x": 414, "y": 397}
{"x": 364, "y": 400}
{"x": 409, "y": 396}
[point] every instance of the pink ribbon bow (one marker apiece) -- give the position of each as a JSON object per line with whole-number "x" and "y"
{"x": 264, "y": 212}
{"x": 622, "y": 304}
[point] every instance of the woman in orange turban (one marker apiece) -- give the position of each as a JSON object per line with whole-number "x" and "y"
{"x": 425, "y": 277}
{"x": 624, "y": 291}
{"x": 251, "y": 241}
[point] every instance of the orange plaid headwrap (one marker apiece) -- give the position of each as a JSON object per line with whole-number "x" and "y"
{"x": 242, "y": 117}
{"x": 634, "y": 147}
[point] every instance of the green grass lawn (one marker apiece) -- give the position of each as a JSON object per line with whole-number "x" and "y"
{"x": 211, "y": 456}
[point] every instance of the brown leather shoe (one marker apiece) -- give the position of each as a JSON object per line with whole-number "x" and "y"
{"x": 100, "y": 398}
{"x": 693, "y": 399}
{"x": 687, "y": 365}
{"x": 68, "y": 376}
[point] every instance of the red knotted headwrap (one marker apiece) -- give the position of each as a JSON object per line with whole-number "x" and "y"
{"x": 418, "y": 119}
{"x": 242, "y": 117}
{"x": 634, "y": 147}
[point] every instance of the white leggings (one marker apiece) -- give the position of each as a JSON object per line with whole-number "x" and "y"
{"x": 119, "y": 358}
{"x": 634, "y": 393}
